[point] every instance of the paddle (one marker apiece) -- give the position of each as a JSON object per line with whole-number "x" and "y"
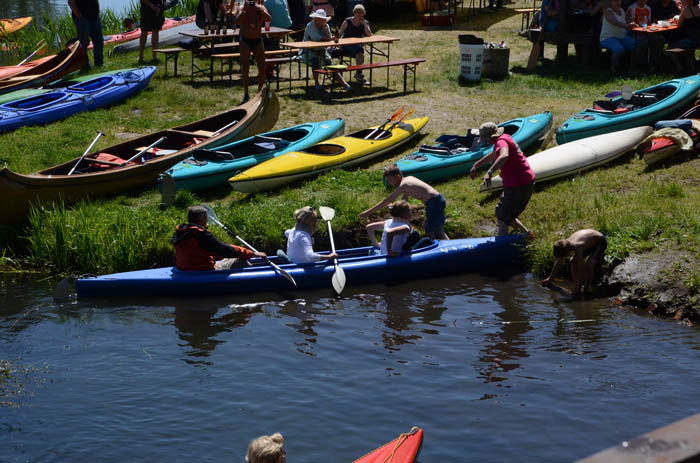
{"x": 535, "y": 52}
{"x": 41, "y": 49}
{"x": 399, "y": 121}
{"x": 393, "y": 116}
{"x": 211, "y": 215}
{"x": 99, "y": 134}
{"x": 223, "y": 128}
{"x": 338, "y": 279}
{"x": 135, "y": 156}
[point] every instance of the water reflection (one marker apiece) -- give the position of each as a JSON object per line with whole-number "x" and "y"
{"x": 35, "y": 8}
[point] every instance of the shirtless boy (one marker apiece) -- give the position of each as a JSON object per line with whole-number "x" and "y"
{"x": 413, "y": 187}
{"x": 588, "y": 248}
{"x": 250, "y": 19}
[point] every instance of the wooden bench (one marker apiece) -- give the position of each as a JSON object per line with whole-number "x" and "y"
{"x": 171, "y": 54}
{"x": 228, "y": 58}
{"x": 686, "y": 56}
{"x": 525, "y": 17}
{"x": 409, "y": 65}
{"x": 277, "y": 62}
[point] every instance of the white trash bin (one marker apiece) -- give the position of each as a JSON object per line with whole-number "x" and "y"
{"x": 471, "y": 58}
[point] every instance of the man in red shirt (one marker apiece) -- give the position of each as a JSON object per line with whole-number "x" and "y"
{"x": 197, "y": 249}
{"x": 518, "y": 177}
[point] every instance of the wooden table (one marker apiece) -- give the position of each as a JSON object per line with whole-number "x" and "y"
{"x": 651, "y": 31}
{"x": 212, "y": 38}
{"x": 371, "y": 42}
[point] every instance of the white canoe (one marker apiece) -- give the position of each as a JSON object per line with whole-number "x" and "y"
{"x": 167, "y": 37}
{"x": 577, "y": 156}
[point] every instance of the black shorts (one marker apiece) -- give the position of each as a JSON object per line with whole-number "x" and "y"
{"x": 513, "y": 202}
{"x": 150, "y": 21}
{"x": 597, "y": 252}
{"x": 252, "y": 43}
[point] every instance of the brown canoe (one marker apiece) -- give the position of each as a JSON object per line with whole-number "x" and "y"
{"x": 103, "y": 178}
{"x": 60, "y": 65}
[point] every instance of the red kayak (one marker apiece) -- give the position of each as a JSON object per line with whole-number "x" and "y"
{"x": 403, "y": 449}
{"x": 136, "y": 33}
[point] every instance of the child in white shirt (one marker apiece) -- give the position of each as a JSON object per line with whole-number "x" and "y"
{"x": 395, "y": 230}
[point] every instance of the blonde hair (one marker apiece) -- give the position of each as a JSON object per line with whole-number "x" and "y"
{"x": 359, "y": 7}
{"x": 265, "y": 449}
{"x": 300, "y": 215}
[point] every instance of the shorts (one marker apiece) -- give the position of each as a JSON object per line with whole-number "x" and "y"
{"x": 352, "y": 50}
{"x": 230, "y": 263}
{"x": 435, "y": 213}
{"x": 597, "y": 252}
{"x": 513, "y": 202}
{"x": 252, "y": 43}
{"x": 150, "y": 21}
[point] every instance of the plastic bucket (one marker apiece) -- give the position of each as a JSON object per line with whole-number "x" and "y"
{"x": 470, "y": 61}
{"x": 495, "y": 62}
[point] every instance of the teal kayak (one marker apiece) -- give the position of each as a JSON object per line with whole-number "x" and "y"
{"x": 208, "y": 168}
{"x": 645, "y": 107}
{"x": 453, "y": 154}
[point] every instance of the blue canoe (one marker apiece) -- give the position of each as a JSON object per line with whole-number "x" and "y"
{"x": 213, "y": 167}
{"x": 452, "y": 156}
{"x": 60, "y": 103}
{"x": 645, "y": 107}
{"x": 437, "y": 259}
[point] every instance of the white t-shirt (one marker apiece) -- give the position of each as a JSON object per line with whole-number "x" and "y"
{"x": 609, "y": 30}
{"x": 399, "y": 240}
{"x": 300, "y": 247}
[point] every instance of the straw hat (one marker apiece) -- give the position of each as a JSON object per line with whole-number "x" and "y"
{"x": 489, "y": 129}
{"x": 320, "y": 14}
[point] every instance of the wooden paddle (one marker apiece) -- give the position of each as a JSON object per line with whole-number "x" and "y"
{"x": 211, "y": 215}
{"x": 338, "y": 279}
{"x": 99, "y": 134}
{"x": 535, "y": 52}
{"x": 393, "y": 116}
{"x": 40, "y": 50}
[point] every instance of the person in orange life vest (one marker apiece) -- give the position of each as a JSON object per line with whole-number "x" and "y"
{"x": 639, "y": 13}
{"x": 197, "y": 249}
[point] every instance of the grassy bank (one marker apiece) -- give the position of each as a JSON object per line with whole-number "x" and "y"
{"x": 639, "y": 209}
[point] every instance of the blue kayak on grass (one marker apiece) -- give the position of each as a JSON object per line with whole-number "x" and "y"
{"x": 444, "y": 257}
{"x": 213, "y": 167}
{"x": 645, "y": 107}
{"x": 452, "y": 155}
{"x": 83, "y": 96}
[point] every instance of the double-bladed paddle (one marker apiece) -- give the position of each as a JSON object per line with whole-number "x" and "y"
{"x": 381, "y": 127}
{"x": 211, "y": 215}
{"x": 338, "y": 279}
{"x": 40, "y": 50}
{"x": 399, "y": 121}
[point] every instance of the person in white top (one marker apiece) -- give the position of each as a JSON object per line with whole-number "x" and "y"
{"x": 299, "y": 242}
{"x": 396, "y": 229}
{"x": 614, "y": 35}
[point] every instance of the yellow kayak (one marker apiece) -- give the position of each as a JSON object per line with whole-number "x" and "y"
{"x": 10, "y": 26}
{"x": 335, "y": 153}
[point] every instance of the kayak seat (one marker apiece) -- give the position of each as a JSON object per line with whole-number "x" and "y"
{"x": 605, "y": 105}
{"x": 416, "y": 157}
{"x": 642, "y": 100}
{"x": 212, "y": 156}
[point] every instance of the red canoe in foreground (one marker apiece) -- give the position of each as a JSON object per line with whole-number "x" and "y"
{"x": 403, "y": 449}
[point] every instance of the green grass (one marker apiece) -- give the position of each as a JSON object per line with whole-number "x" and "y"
{"x": 639, "y": 209}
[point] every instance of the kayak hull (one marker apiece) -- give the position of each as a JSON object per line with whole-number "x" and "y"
{"x": 439, "y": 258}
{"x": 677, "y": 94}
{"x": 61, "y": 103}
{"x": 577, "y": 156}
{"x": 336, "y": 153}
{"x": 202, "y": 171}
{"x": 430, "y": 164}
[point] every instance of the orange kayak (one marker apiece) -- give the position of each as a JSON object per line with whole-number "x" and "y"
{"x": 10, "y": 26}
{"x": 403, "y": 449}
{"x": 9, "y": 71}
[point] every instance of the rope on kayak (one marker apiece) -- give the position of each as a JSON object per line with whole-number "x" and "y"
{"x": 400, "y": 440}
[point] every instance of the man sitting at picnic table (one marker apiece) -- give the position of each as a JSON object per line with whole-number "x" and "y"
{"x": 356, "y": 26}
{"x": 318, "y": 31}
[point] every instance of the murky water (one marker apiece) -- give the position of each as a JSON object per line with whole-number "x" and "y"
{"x": 493, "y": 369}
{"x": 37, "y": 8}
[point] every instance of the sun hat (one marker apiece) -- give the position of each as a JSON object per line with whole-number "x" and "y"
{"x": 489, "y": 129}
{"x": 320, "y": 14}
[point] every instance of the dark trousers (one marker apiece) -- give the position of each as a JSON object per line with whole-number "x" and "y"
{"x": 90, "y": 30}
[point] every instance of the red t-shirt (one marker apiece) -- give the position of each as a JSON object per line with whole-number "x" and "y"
{"x": 516, "y": 171}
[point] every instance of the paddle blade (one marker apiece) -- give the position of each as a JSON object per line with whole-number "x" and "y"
{"x": 535, "y": 53}
{"x": 64, "y": 288}
{"x": 396, "y": 114}
{"x": 327, "y": 212}
{"x": 338, "y": 279}
{"x": 284, "y": 273}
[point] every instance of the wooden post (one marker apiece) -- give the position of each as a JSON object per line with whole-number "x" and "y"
{"x": 677, "y": 442}
{"x": 563, "y": 31}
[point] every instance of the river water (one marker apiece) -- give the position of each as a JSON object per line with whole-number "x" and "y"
{"x": 37, "y": 8}
{"x": 493, "y": 369}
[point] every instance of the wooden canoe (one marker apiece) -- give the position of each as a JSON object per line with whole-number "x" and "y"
{"x": 10, "y": 26}
{"x": 9, "y": 71}
{"x": 96, "y": 178}
{"x": 60, "y": 65}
